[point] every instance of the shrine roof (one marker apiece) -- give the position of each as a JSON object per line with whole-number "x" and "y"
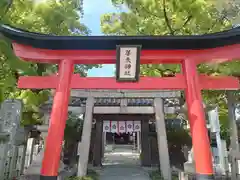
{"x": 46, "y": 41}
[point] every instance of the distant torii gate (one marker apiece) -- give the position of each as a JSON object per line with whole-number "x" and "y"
{"x": 189, "y": 51}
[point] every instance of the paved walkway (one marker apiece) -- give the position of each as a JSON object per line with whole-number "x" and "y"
{"x": 122, "y": 155}
{"x": 121, "y": 172}
{"x": 122, "y": 164}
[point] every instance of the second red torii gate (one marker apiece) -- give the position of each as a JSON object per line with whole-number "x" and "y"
{"x": 66, "y": 51}
{"x": 145, "y": 83}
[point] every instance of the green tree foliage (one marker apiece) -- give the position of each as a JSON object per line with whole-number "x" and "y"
{"x": 72, "y": 135}
{"x": 74, "y": 130}
{"x": 48, "y": 17}
{"x": 176, "y": 17}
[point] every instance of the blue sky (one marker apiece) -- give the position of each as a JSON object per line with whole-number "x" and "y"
{"x": 92, "y": 15}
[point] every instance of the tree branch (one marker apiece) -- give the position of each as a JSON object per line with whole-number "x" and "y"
{"x": 166, "y": 18}
{"x": 222, "y": 17}
{"x": 187, "y": 21}
{"x": 5, "y": 11}
{"x": 189, "y": 18}
{"x": 172, "y": 32}
{"x": 150, "y": 13}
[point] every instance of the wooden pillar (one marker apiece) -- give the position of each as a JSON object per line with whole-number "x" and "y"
{"x": 53, "y": 148}
{"x": 200, "y": 140}
{"x": 97, "y": 152}
{"x": 145, "y": 154}
{"x": 162, "y": 140}
{"x": 86, "y": 138}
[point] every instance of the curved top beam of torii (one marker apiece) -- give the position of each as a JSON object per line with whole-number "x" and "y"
{"x": 217, "y": 47}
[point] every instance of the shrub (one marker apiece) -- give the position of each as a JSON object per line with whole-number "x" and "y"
{"x": 91, "y": 175}
{"x": 156, "y": 175}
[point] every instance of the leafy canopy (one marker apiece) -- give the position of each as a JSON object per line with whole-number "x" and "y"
{"x": 176, "y": 17}
{"x": 49, "y": 17}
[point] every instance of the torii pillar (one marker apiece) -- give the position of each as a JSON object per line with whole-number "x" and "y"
{"x": 57, "y": 122}
{"x": 186, "y": 50}
{"x": 200, "y": 140}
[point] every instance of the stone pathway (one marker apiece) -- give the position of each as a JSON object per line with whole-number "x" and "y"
{"x": 122, "y": 164}
{"x": 121, "y": 156}
{"x": 121, "y": 172}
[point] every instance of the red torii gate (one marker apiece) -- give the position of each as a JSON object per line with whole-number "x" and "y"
{"x": 185, "y": 50}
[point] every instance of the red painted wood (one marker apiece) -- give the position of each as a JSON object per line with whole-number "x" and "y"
{"x": 196, "y": 115}
{"x": 219, "y": 82}
{"x": 216, "y": 55}
{"x": 191, "y": 82}
{"x": 145, "y": 83}
{"x": 37, "y": 82}
{"x": 53, "y": 148}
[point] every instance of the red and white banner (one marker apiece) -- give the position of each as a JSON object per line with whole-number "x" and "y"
{"x": 106, "y": 126}
{"x": 137, "y": 126}
{"x": 114, "y": 126}
{"x": 129, "y": 126}
{"x": 121, "y": 126}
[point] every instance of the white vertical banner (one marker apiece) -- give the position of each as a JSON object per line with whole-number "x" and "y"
{"x": 214, "y": 120}
{"x": 129, "y": 126}
{"x": 220, "y": 153}
{"x": 114, "y": 126}
{"x": 106, "y": 126}
{"x": 137, "y": 126}
{"x": 122, "y": 127}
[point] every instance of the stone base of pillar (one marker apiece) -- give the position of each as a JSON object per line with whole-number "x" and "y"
{"x": 189, "y": 167}
{"x": 48, "y": 177}
{"x": 204, "y": 177}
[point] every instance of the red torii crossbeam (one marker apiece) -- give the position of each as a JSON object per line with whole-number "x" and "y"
{"x": 189, "y": 51}
{"x": 145, "y": 83}
{"x": 214, "y": 55}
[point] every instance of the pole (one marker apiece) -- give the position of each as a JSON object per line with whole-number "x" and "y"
{"x": 86, "y": 139}
{"x": 234, "y": 145}
{"x": 162, "y": 139}
{"x": 53, "y": 148}
{"x": 213, "y": 116}
{"x": 200, "y": 140}
{"x": 220, "y": 153}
